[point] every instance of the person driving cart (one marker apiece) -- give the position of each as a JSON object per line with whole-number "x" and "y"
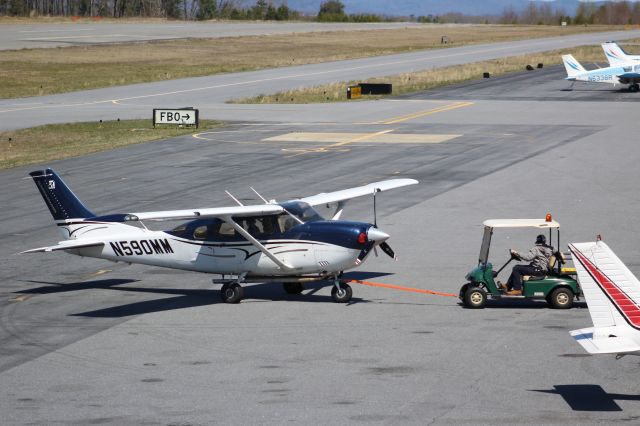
{"x": 539, "y": 265}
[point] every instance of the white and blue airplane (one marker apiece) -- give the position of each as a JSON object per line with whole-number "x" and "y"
{"x": 616, "y": 56}
{"x": 285, "y": 242}
{"x": 612, "y": 293}
{"x": 618, "y": 74}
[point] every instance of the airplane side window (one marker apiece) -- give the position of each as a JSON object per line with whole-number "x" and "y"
{"x": 226, "y": 230}
{"x": 200, "y": 233}
{"x": 636, "y": 68}
{"x": 267, "y": 225}
{"x": 626, "y": 69}
{"x": 252, "y": 226}
{"x": 179, "y": 231}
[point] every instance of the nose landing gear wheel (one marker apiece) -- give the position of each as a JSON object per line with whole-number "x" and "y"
{"x": 293, "y": 288}
{"x": 343, "y": 295}
{"x": 232, "y": 293}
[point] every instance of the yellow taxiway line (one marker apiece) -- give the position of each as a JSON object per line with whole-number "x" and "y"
{"x": 419, "y": 114}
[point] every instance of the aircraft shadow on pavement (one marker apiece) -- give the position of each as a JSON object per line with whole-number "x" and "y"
{"x": 55, "y": 287}
{"x": 188, "y": 298}
{"x": 589, "y": 397}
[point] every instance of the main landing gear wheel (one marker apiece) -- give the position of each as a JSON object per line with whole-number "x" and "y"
{"x": 561, "y": 298}
{"x": 343, "y": 295}
{"x": 232, "y": 293}
{"x": 475, "y": 298}
{"x": 293, "y": 288}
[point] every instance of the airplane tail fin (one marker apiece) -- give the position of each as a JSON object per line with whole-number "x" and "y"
{"x": 612, "y": 293}
{"x": 614, "y": 53}
{"x": 62, "y": 202}
{"x": 572, "y": 66}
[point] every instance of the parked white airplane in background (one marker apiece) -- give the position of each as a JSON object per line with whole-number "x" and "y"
{"x": 619, "y": 74}
{"x": 285, "y": 242}
{"x": 616, "y": 56}
{"x": 612, "y": 293}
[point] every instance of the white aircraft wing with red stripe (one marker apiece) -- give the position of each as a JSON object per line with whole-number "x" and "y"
{"x": 612, "y": 293}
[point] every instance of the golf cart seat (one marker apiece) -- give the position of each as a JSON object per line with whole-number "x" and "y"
{"x": 552, "y": 263}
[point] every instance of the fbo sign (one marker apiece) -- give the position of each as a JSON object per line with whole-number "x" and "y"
{"x": 183, "y": 116}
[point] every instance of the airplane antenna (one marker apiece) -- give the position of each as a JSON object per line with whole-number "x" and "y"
{"x": 234, "y": 198}
{"x": 258, "y": 194}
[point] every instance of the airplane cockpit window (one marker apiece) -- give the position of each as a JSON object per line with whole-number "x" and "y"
{"x": 286, "y": 222}
{"x": 302, "y": 211}
{"x": 636, "y": 67}
{"x": 626, "y": 69}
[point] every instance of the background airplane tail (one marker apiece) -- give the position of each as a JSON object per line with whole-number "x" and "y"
{"x": 612, "y": 293}
{"x": 62, "y": 202}
{"x": 572, "y": 66}
{"x": 615, "y": 55}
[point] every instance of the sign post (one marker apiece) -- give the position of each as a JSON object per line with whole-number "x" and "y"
{"x": 180, "y": 117}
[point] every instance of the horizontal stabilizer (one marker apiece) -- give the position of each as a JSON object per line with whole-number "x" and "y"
{"x": 347, "y": 194}
{"x": 66, "y": 245}
{"x": 609, "y": 344}
{"x": 256, "y": 210}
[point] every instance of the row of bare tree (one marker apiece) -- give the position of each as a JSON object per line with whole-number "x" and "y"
{"x": 176, "y": 9}
{"x": 536, "y": 13}
{"x": 608, "y": 13}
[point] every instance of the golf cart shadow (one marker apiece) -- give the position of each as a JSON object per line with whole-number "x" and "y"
{"x": 523, "y": 304}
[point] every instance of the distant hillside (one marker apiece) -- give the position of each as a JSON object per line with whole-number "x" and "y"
{"x": 430, "y": 7}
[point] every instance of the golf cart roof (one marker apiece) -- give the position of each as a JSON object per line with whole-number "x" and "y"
{"x": 520, "y": 223}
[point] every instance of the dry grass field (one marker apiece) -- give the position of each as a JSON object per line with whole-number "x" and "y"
{"x": 33, "y": 72}
{"x": 58, "y": 141}
{"x": 414, "y": 82}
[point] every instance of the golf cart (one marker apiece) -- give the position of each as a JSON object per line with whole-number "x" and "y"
{"x": 558, "y": 286}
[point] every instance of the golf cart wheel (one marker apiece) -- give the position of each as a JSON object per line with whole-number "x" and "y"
{"x": 233, "y": 293}
{"x": 561, "y": 298}
{"x": 293, "y": 288}
{"x": 343, "y": 295}
{"x": 475, "y": 298}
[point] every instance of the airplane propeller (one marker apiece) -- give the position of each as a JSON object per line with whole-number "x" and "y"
{"x": 388, "y": 250}
{"x": 380, "y": 239}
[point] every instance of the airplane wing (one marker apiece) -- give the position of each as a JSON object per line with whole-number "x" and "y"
{"x": 612, "y": 294}
{"x": 66, "y": 245}
{"x": 254, "y": 210}
{"x": 347, "y": 194}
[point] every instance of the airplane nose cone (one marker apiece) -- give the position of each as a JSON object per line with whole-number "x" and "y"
{"x": 374, "y": 234}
